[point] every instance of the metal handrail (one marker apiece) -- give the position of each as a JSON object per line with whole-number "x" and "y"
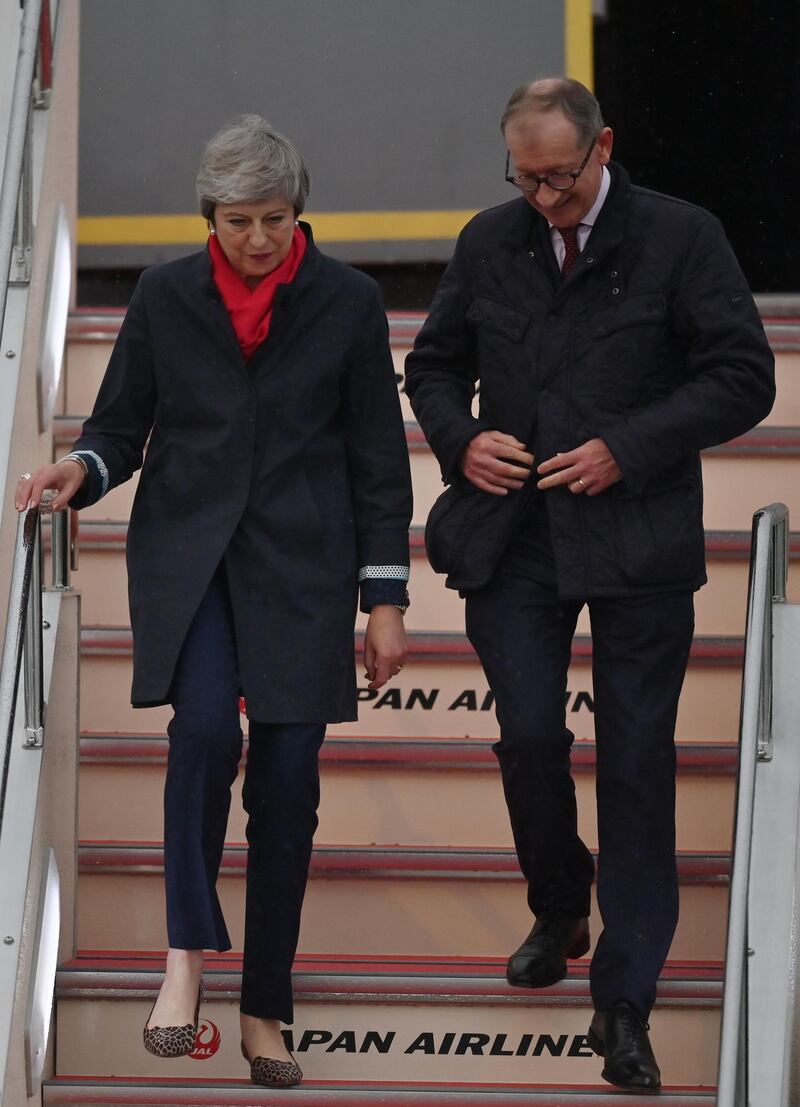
{"x": 23, "y": 641}
{"x": 33, "y": 648}
{"x": 24, "y": 552}
{"x": 17, "y": 139}
{"x": 769, "y": 559}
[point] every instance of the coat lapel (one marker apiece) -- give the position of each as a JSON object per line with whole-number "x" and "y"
{"x": 607, "y": 233}
{"x": 203, "y": 301}
{"x": 518, "y": 267}
{"x": 546, "y": 255}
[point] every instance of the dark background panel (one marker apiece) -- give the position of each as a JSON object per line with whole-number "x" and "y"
{"x": 705, "y": 103}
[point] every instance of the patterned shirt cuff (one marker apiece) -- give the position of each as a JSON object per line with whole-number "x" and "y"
{"x": 383, "y": 572}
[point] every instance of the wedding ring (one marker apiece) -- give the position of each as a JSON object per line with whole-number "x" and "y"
{"x": 581, "y": 482}
{"x": 25, "y": 476}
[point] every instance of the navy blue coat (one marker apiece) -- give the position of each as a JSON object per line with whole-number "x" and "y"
{"x": 652, "y": 343}
{"x": 291, "y": 467}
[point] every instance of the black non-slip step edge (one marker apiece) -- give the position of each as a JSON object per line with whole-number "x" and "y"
{"x": 388, "y": 862}
{"x": 697, "y": 758}
{"x": 425, "y": 646}
{"x": 721, "y": 545}
{"x": 390, "y": 979}
{"x": 95, "y": 324}
{"x": 80, "y": 1092}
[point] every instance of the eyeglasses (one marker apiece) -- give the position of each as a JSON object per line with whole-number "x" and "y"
{"x": 527, "y": 182}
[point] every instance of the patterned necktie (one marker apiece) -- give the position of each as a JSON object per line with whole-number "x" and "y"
{"x": 571, "y": 251}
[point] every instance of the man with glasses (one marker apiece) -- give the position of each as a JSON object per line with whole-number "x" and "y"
{"x": 614, "y": 338}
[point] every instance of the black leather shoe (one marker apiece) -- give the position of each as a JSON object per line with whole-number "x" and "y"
{"x": 541, "y": 960}
{"x": 619, "y": 1036}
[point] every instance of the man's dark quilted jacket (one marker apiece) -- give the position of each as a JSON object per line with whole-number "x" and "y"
{"x": 653, "y": 343}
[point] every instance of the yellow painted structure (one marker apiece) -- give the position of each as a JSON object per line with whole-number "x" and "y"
{"x": 578, "y": 46}
{"x": 329, "y": 226}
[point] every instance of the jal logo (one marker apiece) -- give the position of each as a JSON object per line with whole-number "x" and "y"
{"x": 207, "y": 1041}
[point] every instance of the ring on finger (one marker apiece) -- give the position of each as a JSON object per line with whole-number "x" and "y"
{"x": 25, "y": 476}
{"x": 582, "y": 483}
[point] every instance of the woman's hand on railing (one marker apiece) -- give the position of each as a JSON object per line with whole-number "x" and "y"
{"x": 65, "y": 478}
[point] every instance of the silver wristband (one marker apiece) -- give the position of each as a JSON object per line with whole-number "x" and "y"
{"x": 78, "y": 458}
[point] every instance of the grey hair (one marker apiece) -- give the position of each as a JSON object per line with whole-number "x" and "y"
{"x": 249, "y": 160}
{"x": 562, "y": 94}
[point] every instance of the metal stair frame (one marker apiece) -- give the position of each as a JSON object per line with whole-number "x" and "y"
{"x": 758, "y": 1052}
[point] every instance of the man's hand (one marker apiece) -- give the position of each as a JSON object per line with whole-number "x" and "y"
{"x": 590, "y": 469}
{"x": 488, "y": 462}
{"x": 385, "y": 646}
{"x": 65, "y": 477}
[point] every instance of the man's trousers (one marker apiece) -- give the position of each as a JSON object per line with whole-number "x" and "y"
{"x": 522, "y": 634}
{"x": 280, "y": 796}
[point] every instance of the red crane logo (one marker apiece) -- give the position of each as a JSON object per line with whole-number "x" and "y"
{"x": 207, "y": 1041}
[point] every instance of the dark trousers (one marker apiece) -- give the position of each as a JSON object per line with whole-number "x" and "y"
{"x": 522, "y": 634}
{"x": 281, "y": 795}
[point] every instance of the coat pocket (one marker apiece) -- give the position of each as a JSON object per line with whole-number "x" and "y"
{"x": 645, "y": 309}
{"x": 660, "y": 538}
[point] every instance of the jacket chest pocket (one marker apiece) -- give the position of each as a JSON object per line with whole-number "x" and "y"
{"x": 495, "y": 321}
{"x": 643, "y": 310}
{"x": 500, "y": 333}
{"x": 626, "y": 352}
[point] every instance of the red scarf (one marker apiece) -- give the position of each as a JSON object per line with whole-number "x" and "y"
{"x": 251, "y": 309}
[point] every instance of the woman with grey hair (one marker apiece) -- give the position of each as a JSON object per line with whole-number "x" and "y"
{"x": 275, "y": 484}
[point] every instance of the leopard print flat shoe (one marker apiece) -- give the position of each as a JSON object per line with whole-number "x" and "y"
{"x": 271, "y": 1073}
{"x": 171, "y": 1041}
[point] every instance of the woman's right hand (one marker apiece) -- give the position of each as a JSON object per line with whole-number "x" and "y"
{"x": 65, "y": 477}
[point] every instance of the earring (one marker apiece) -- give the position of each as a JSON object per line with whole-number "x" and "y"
{"x": 212, "y": 231}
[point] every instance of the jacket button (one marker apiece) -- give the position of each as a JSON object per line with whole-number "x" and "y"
{"x": 590, "y": 261}
{"x": 614, "y": 273}
{"x": 531, "y": 254}
{"x": 615, "y": 292}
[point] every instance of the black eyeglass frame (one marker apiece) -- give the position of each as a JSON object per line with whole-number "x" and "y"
{"x": 574, "y": 173}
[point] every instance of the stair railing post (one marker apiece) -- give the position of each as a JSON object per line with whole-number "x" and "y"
{"x": 777, "y": 569}
{"x": 61, "y": 554}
